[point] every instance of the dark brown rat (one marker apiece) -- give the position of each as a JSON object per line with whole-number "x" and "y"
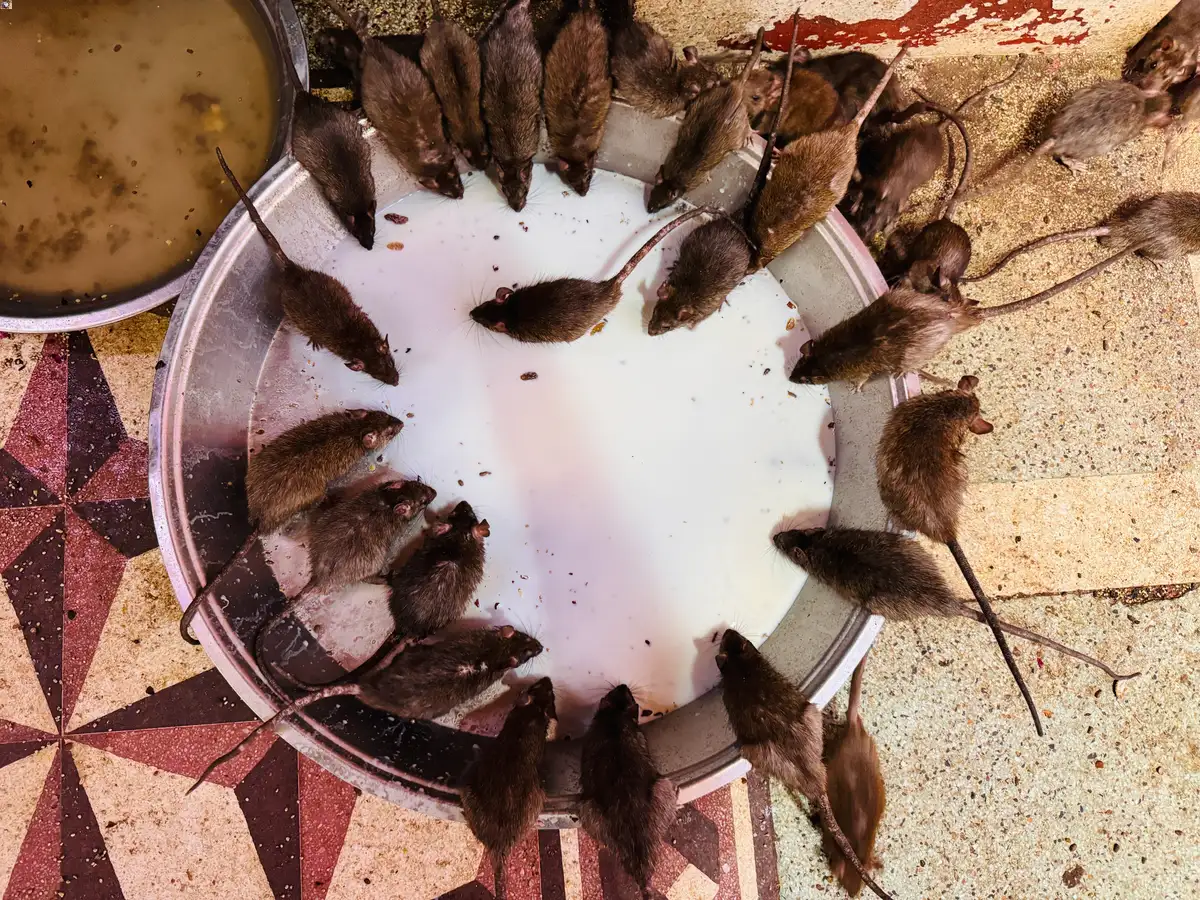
{"x": 292, "y": 472}
{"x": 809, "y": 179}
{"x": 922, "y": 475}
{"x": 715, "y": 125}
{"x": 450, "y": 57}
{"x": 624, "y": 803}
{"x": 352, "y": 538}
{"x": 512, "y": 98}
{"x": 646, "y": 72}
{"x": 401, "y": 104}
{"x": 857, "y": 796}
{"x": 502, "y": 794}
{"x": 893, "y": 168}
{"x": 892, "y": 576}
{"x": 418, "y": 681}
{"x": 342, "y": 47}
{"x": 329, "y": 143}
{"x": 320, "y": 307}
{"x": 564, "y": 309}
{"x": 577, "y": 95}
{"x": 854, "y": 74}
{"x": 712, "y": 260}
{"x": 779, "y": 732}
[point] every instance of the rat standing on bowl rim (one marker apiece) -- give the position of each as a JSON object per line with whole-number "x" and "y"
{"x": 512, "y": 98}
{"x": 450, "y": 57}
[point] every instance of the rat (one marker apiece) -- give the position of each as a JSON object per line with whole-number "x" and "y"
{"x": 450, "y": 57}
{"x": 922, "y": 476}
{"x": 714, "y": 126}
{"x": 320, "y": 307}
{"x": 399, "y": 100}
{"x": 328, "y": 143}
{"x": 893, "y": 576}
{"x": 292, "y": 472}
{"x": 624, "y": 803}
{"x": 342, "y": 47}
{"x": 564, "y": 309}
{"x": 351, "y": 539}
{"x": 417, "y": 681}
{"x": 814, "y": 103}
{"x": 780, "y": 732}
{"x": 1167, "y": 54}
{"x": 809, "y": 179}
{"x": 857, "y": 796}
{"x": 646, "y": 72}
{"x": 512, "y": 98}
{"x": 892, "y": 169}
{"x": 577, "y": 95}
{"x": 854, "y": 74}
{"x": 502, "y": 793}
{"x": 712, "y": 260}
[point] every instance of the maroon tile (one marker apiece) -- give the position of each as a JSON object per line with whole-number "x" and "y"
{"x": 10, "y": 753}
{"x": 36, "y": 875}
{"x": 717, "y": 808}
{"x": 204, "y": 699}
{"x": 18, "y": 527}
{"x": 20, "y": 487}
{"x": 269, "y": 798}
{"x": 12, "y": 733}
{"x": 35, "y": 588}
{"x": 123, "y": 475}
{"x": 696, "y": 839}
{"x": 472, "y": 890}
{"x": 87, "y": 871}
{"x": 126, "y": 524}
{"x": 38, "y": 438}
{"x": 94, "y": 427}
{"x": 614, "y": 883}
{"x": 553, "y": 878}
{"x": 766, "y": 862}
{"x": 326, "y": 804}
{"x": 92, "y": 575}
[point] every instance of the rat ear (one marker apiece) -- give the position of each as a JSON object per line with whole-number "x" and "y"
{"x": 482, "y": 530}
{"x": 1167, "y": 43}
{"x": 403, "y": 509}
{"x": 502, "y": 294}
{"x": 507, "y": 631}
{"x": 658, "y": 179}
{"x": 500, "y": 328}
{"x": 722, "y": 658}
{"x": 350, "y": 221}
{"x": 440, "y": 528}
{"x": 355, "y": 365}
{"x": 968, "y": 383}
{"x": 524, "y": 700}
{"x": 513, "y": 662}
{"x": 361, "y": 413}
{"x": 806, "y": 350}
{"x": 980, "y": 426}
{"x": 691, "y": 54}
{"x": 370, "y": 440}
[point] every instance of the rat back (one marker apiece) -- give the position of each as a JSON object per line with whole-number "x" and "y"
{"x": 450, "y": 57}
{"x": 646, "y": 71}
{"x": 512, "y": 86}
{"x": 909, "y": 158}
{"x": 857, "y": 796}
{"x": 557, "y": 311}
{"x": 1165, "y": 226}
{"x": 1097, "y": 120}
{"x": 434, "y": 586}
{"x": 328, "y": 142}
{"x": 715, "y": 126}
{"x": 352, "y": 538}
{"x": 712, "y": 260}
{"x": 947, "y": 245}
{"x": 578, "y": 89}
{"x": 854, "y": 75}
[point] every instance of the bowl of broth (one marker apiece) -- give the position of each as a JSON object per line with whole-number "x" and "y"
{"x": 110, "y": 111}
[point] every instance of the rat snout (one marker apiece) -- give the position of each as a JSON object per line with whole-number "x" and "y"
{"x": 662, "y": 195}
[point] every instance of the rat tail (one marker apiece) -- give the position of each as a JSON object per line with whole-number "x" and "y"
{"x": 994, "y": 623}
{"x": 273, "y": 245}
{"x": 947, "y": 210}
{"x": 879, "y": 88}
{"x": 356, "y": 22}
{"x": 753, "y": 61}
{"x": 269, "y": 671}
{"x": 499, "y": 878}
{"x": 1044, "y": 641}
{"x": 839, "y": 838}
{"x": 628, "y": 268}
{"x": 185, "y": 621}
{"x": 1056, "y": 238}
{"x": 969, "y": 103}
{"x": 1004, "y": 309}
{"x": 340, "y": 690}
{"x": 764, "y": 167}
{"x": 852, "y": 708}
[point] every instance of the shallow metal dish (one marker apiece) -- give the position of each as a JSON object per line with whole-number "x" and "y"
{"x": 211, "y": 366}
{"x": 288, "y": 48}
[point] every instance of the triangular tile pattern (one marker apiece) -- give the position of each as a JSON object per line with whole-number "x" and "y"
{"x": 36, "y": 874}
{"x": 38, "y": 437}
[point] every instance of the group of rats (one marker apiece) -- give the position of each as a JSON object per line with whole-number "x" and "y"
{"x": 837, "y": 134}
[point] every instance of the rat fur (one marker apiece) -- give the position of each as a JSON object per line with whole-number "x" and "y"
{"x": 564, "y": 309}
{"x": 624, "y": 803}
{"x": 502, "y": 794}
{"x": 779, "y": 732}
{"x": 577, "y": 95}
{"x": 450, "y": 57}
{"x": 512, "y": 98}
{"x": 320, "y": 307}
{"x": 712, "y": 260}
{"x": 292, "y": 472}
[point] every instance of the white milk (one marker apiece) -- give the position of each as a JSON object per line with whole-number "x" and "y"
{"x": 633, "y": 487}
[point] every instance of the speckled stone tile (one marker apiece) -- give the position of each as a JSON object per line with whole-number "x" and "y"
{"x": 1103, "y": 806}
{"x": 20, "y": 787}
{"x": 124, "y": 350}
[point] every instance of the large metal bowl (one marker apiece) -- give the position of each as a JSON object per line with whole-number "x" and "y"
{"x": 213, "y": 359}
{"x": 288, "y": 49}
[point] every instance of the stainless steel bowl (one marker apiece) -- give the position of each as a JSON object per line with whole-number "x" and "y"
{"x": 213, "y": 359}
{"x": 288, "y": 49}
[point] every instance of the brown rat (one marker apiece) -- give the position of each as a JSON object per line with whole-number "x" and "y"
{"x": 419, "y": 681}
{"x": 1099, "y": 119}
{"x": 646, "y": 72}
{"x": 342, "y": 47}
{"x": 577, "y": 95}
{"x": 922, "y": 475}
{"x": 714, "y": 126}
{"x": 854, "y": 74}
{"x": 814, "y": 102}
{"x": 857, "y": 796}
{"x": 712, "y": 260}
{"x": 512, "y": 98}
{"x": 1167, "y": 53}
{"x": 450, "y": 57}
{"x": 893, "y": 576}
{"x": 352, "y": 538}
{"x": 779, "y": 732}
{"x": 399, "y": 100}
{"x": 320, "y": 307}
{"x": 564, "y": 309}
{"x": 809, "y": 179}
{"x": 328, "y": 142}
{"x": 502, "y": 793}
{"x": 893, "y": 168}
{"x": 292, "y": 472}
{"x": 624, "y": 803}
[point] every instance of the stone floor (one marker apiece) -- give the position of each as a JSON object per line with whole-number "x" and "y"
{"x": 1082, "y": 524}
